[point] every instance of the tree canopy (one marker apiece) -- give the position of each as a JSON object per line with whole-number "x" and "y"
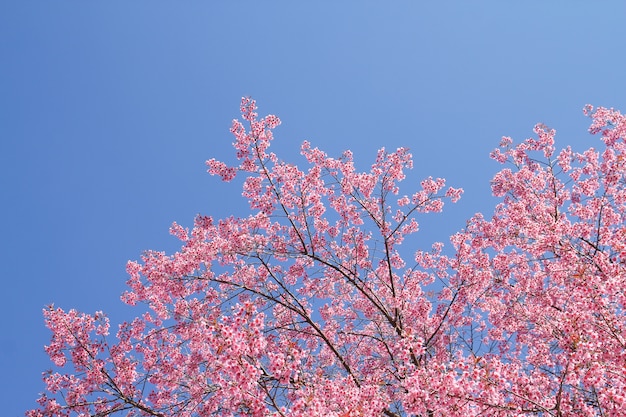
{"x": 311, "y": 306}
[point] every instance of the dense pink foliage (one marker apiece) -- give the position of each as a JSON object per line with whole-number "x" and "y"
{"x": 308, "y": 307}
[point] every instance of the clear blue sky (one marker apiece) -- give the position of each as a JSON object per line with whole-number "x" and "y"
{"x": 109, "y": 109}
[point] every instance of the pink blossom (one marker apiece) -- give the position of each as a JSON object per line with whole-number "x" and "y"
{"x": 310, "y": 306}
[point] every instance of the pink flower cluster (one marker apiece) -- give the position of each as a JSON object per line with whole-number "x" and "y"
{"x": 309, "y": 307}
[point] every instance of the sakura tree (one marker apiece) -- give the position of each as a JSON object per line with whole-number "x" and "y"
{"x": 310, "y": 306}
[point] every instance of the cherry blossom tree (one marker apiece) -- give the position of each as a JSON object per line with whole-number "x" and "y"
{"x": 310, "y": 306}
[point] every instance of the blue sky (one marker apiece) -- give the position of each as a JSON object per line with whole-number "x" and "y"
{"x": 109, "y": 110}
